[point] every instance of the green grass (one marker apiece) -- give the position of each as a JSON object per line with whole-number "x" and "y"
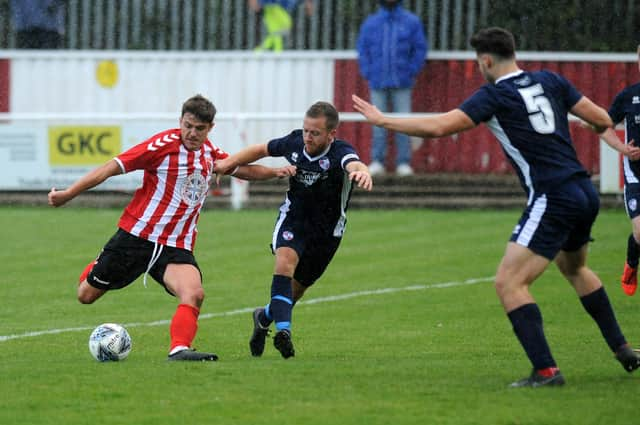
{"x": 432, "y": 355}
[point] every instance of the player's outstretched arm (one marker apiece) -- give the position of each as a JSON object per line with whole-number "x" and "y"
{"x": 629, "y": 150}
{"x": 91, "y": 179}
{"x": 244, "y": 157}
{"x": 593, "y": 114}
{"x": 359, "y": 173}
{"x": 439, "y": 125}
{"x": 260, "y": 172}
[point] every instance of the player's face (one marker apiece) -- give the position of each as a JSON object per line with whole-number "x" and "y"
{"x": 316, "y": 136}
{"x": 194, "y": 132}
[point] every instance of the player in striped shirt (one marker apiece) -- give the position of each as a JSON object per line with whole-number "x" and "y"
{"x": 157, "y": 230}
{"x": 527, "y": 112}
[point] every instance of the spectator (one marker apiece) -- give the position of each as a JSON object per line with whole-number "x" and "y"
{"x": 39, "y": 24}
{"x": 392, "y": 49}
{"x": 276, "y": 16}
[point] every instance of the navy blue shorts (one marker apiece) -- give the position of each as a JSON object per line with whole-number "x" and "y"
{"x": 632, "y": 199}
{"x": 315, "y": 250}
{"x": 559, "y": 220}
{"x": 125, "y": 257}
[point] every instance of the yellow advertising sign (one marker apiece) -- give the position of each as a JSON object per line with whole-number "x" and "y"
{"x": 83, "y": 145}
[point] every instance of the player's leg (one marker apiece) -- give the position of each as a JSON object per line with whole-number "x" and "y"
{"x": 87, "y": 294}
{"x": 281, "y": 305}
{"x": 596, "y": 302}
{"x": 518, "y": 269}
{"x": 178, "y": 271}
{"x": 120, "y": 262}
{"x": 629, "y": 279}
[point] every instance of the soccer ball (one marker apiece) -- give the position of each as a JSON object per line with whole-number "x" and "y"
{"x": 109, "y": 342}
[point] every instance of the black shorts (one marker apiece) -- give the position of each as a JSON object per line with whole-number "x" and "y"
{"x": 125, "y": 257}
{"x": 559, "y": 219}
{"x": 632, "y": 199}
{"x": 315, "y": 250}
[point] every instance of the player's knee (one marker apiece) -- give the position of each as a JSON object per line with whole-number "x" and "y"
{"x": 194, "y": 296}
{"x": 85, "y": 298}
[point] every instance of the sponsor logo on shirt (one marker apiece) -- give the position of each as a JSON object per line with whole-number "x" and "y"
{"x": 307, "y": 178}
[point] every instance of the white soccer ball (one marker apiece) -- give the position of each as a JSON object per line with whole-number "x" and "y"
{"x": 109, "y": 342}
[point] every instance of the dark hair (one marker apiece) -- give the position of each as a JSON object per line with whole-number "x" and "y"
{"x": 200, "y": 107}
{"x": 327, "y": 110}
{"x": 495, "y": 41}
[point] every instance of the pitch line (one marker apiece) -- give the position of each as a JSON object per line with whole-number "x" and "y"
{"x": 319, "y": 300}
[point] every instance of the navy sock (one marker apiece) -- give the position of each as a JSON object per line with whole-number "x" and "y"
{"x": 281, "y": 302}
{"x": 598, "y": 306}
{"x": 633, "y": 252}
{"x": 264, "y": 317}
{"x": 527, "y": 325}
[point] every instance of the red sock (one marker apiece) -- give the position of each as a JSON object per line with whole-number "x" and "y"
{"x": 184, "y": 325}
{"x": 548, "y": 372}
{"x": 86, "y": 271}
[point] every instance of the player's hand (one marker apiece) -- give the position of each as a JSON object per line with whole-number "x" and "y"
{"x": 362, "y": 178}
{"x": 223, "y": 166}
{"x": 286, "y": 171}
{"x": 57, "y": 197}
{"x": 632, "y": 151}
{"x": 370, "y": 112}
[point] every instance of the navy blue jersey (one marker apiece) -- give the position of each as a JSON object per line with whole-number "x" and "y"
{"x": 319, "y": 193}
{"x": 527, "y": 112}
{"x": 626, "y": 107}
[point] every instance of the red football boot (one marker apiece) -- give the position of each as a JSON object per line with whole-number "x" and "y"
{"x": 629, "y": 279}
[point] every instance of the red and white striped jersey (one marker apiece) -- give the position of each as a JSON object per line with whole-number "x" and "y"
{"x": 176, "y": 181}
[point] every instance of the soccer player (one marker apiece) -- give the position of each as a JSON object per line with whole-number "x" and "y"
{"x": 157, "y": 230}
{"x": 312, "y": 218}
{"x": 527, "y": 112}
{"x": 626, "y": 107}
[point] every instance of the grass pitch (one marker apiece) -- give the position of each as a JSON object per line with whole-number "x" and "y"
{"x": 404, "y": 328}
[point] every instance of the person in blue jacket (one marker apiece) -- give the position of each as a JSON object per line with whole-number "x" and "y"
{"x": 39, "y": 24}
{"x": 392, "y": 49}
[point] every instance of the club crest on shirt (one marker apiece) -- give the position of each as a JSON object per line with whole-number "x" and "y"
{"x": 324, "y": 163}
{"x": 294, "y": 157}
{"x": 194, "y": 189}
{"x": 633, "y": 204}
{"x": 636, "y": 119}
{"x": 635, "y": 100}
{"x": 287, "y": 235}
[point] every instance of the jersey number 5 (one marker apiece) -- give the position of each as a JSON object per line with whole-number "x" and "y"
{"x": 539, "y": 108}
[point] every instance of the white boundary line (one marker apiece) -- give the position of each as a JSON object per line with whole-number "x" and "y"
{"x": 331, "y": 298}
